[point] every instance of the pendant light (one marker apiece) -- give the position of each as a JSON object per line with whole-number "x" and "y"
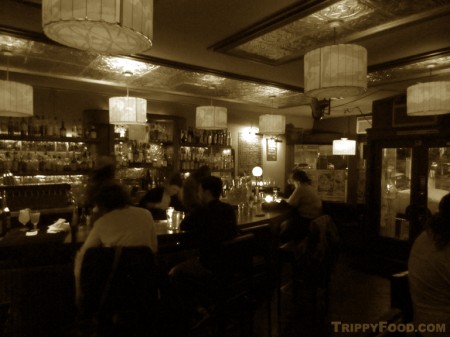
{"x": 105, "y": 27}
{"x": 211, "y": 117}
{"x": 336, "y": 71}
{"x": 429, "y": 98}
{"x": 272, "y": 125}
{"x": 344, "y": 146}
{"x": 127, "y": 110}
{"x": 16, "y": 99}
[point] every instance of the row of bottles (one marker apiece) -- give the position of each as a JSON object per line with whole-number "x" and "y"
{"x": 38, "y": 162}
{"x": 152, "y": 179}
{"x": 205, "y": 137}
{"x": 40, "y": 126}
{"x": 191, "y": 158}
{"x": 160, "y": 132}
{"x": 41, "y": 146}
{"x": 132, "y": 152}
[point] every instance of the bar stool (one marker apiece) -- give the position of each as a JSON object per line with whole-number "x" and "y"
{"x": 311, "y": 261}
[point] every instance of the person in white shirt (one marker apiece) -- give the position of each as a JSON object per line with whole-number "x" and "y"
{"x": 429, "y": 272}
{"x": 307, "y": 203}
{"x": 120, "y": 225}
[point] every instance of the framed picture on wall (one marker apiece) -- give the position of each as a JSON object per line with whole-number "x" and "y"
{"x": 271, "y": 149}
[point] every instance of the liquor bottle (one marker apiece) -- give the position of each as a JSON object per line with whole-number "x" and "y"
{"x": 6, "y": 214}
{"x": 23, "y": 128}
{"x": 62, "y": 130}
{"x": 10, "y": 126}
{"x": 93, "y": 132}
{"x": 190, "y": 135}
{"x": 43, "y": 126}
{"x": 3, "y": 229}
{"x": 184, "y": 138}
{"x": 83, "y": 218}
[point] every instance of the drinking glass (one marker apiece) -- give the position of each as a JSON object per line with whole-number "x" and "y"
{"x": 24, "y": 217}
{"x": 34, "y": 218}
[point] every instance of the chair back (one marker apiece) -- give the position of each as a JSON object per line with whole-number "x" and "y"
{"x": 118, "y": 279}
{"x": 318, "y": 252}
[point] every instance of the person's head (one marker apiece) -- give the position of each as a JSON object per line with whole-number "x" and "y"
{"x": 105, "y": 169}
{"x": 440, "y": 223}
{"x": 111, "y": 196}
{"x": 210, "y": 189}
{"x": 174, "y": 184}
{"x": 201, "y": 172}
{"x": 300, "y": 176}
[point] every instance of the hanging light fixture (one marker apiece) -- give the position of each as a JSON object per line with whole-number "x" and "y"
{"x": 336, "y": 71}
{"x": 104, "y": 27}
{"x": 16, "y": 99}
{"x": 209, "y": 117}
{"x": 272, "y": 125}
{"x": 344, "y": 147}
{"x": 430, "y": 98}
{"x": 127, "y": 110}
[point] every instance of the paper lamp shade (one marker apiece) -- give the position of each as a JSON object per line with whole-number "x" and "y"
{"x": 431, "y": 98}
{"x": 211, "y": 117}
{"x": 127, "y": 110}
{"x": 336, "y": 71}
{"x": 344, "y": 147}
{"x": 104, "y": 26}
{"x": 272, "y": 124}
{"x": 16, "y": 99}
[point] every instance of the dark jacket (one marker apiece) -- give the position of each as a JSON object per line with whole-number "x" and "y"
{"x": 211, "y": 225}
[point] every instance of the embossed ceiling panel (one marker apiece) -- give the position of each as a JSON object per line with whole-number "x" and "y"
{"x": 357, "y": 19}
{"x": 37, "y": 58}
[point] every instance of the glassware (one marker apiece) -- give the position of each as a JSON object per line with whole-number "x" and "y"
{"x": 24, "y": 217}
{"x": 34, "y": 218}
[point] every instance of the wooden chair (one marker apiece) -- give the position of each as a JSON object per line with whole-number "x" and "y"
{"x": 120, "y": 290}
{"x": 234, "y": 294}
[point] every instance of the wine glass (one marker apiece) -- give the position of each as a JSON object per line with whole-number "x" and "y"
{"x": 34, "y": 218}
{"x": 24, "y": 217}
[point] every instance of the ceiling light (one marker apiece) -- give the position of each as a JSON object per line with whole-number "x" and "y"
{"x": 272, "y": 124}
{"x": 104, "y": 27}
{"x": 16, "y": 99}
{"x": 344, "y": 147}
{"x": 430, "y": 98}
{"x": 127, "y": 110}
{"x": 336, "y": 71}
{"x": 209, "y": 117}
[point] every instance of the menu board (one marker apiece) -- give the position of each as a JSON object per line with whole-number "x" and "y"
{"x": 249, "y": 153}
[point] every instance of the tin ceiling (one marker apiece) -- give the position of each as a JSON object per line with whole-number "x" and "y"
{"x": 259, "y": 66}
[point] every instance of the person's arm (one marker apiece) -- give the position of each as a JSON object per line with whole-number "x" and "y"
{"x": 294, "y": 198}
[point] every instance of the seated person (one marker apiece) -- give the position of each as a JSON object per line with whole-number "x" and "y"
{"x": 429, "y": 271}
{"x": 189, "y": 192}
{"x": 120, "y": 225}
{"x": 307, "y": 206}
{"x": 158, "y": 199}
{"x": 211, "y": 224}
